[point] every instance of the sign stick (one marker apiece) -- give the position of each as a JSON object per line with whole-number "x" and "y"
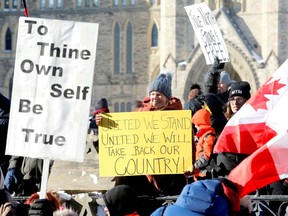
{"x": 44, "y": 180}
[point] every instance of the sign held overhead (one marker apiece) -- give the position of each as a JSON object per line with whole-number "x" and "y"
{"x": 207, "y": 32}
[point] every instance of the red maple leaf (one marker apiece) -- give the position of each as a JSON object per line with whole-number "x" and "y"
{"x": 259, "y": 100}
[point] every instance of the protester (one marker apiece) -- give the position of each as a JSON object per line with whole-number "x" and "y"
{"x": 120, "y": 201}
{"x": 205, "y": 197}
{"x": 224, "y": 85}
{"x": 44, "y": 207}
{"x": 8, "y": 206}
{"x": 214, "y": 104}
{"x": 4, "y": 120}
{"x": 206, "y": 136}
{"x": 101, "y": 106}
{"x": 24, "y": 175}
{"x": 160, "y": 98}
{"x": 160, "y": 93}
{"x": 239, "y": 94}
{"x": 217, "y": 81}
{"x": 195, "y": 99}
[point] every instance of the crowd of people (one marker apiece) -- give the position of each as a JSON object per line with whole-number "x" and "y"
{"x": 204, "y": 191}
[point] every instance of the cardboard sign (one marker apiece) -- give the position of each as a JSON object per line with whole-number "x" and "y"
{"x": 141, "y": 143}
{"x": 207, "y": 32}
{"x": 52, "y": 87}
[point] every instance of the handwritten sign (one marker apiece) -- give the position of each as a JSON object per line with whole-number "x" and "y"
{"x": 140, "y": 143}
{"x": 207, "y": 32}
{"x": 52, "y": 87}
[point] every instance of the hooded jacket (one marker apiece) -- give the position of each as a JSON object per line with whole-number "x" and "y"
{"x": 211, "y": 197}
{"x": 206, "y": 136}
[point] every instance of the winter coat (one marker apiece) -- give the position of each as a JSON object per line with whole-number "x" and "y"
{"x": 212, "y": 197}
{"x": 217, "y": 118}
{"x": 194, "y": 105}
{"x": 206, "y": 136}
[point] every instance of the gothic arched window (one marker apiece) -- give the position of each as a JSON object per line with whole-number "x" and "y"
{"x": 8, "y": 40}
{"x": 117, "y": 49}
{"x": 154, "y": 38}
{"x": 129, "y": 48}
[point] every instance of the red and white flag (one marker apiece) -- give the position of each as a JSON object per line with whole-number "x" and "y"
{"x": 260, "y": 129}
{"x": 260, "y": 119}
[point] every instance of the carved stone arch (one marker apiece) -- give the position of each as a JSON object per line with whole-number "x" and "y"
{"x": 14, "y": 37}
{"x": 3, "y": 36}
{"x": 196, "y": 72}
{"x": 155, "y": 72}
{"x": 240, "y": 68}
{"x": 242, "y": 65}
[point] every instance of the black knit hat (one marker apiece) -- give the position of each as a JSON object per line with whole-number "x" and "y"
{"x": 120, "y": 200}
{"x": 241, "y": 88}
{"x": 162, "y": 83}
{"x": 101, "y": 103}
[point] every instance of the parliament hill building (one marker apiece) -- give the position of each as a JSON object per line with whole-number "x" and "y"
{"x": 139, "y": 38}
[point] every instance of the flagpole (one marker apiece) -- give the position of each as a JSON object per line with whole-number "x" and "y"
{"x": 25, "y": 8}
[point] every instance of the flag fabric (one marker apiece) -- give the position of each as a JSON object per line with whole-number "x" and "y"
{"x": 260, "y": 129}
{"x": 265, "y": 166}
{"x": 257, "y": 121}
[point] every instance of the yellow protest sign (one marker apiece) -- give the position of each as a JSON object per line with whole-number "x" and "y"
{"x": 141, "y": 143}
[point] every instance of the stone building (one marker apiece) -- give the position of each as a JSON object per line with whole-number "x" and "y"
{"x": 138, "y": 38}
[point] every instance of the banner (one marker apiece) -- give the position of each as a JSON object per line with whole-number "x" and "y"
{"x": 52, "y": 86}
{"x": 207, "y": 32}
{"x": 141, "y": 143}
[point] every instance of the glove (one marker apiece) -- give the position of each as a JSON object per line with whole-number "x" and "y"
{"x": 217, "y": 66}
{"x": 201, "y": 163}
{"x": 12, "y": 181}
{"x": 41, "y": 207}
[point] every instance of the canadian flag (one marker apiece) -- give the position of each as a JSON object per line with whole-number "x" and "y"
{"x": 260, "y": 128}
{"x": 258, "y": 120}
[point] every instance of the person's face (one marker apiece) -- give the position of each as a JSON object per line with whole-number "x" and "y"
{"x": 193, "y": 93}
{"x": 158, "y": 100}
{"x": 222, "y": 87}
{"x": 236, "y": 102}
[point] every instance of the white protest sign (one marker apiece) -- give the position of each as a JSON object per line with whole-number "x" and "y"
{"x": 52, "y": 86}
{"x": 207, "y": 32}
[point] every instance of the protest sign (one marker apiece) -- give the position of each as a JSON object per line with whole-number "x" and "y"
{"x": 207, "y": 32}
{"x": 141, "y": 143}
{"x": 52, "y": 86}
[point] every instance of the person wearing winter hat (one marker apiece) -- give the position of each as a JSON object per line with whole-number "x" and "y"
{"x": 160, "y": 90}
{"x": 195, "y": 99}
{"x": 101, "y": 106}
{"x": 224, "y": 82}
{"x": 205, "y": 135}
{"x": 160, "y": 99}
{"x": 119, "y": 201}
{"x": 212, "y": 197}
{"x": 239, "y": 94}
